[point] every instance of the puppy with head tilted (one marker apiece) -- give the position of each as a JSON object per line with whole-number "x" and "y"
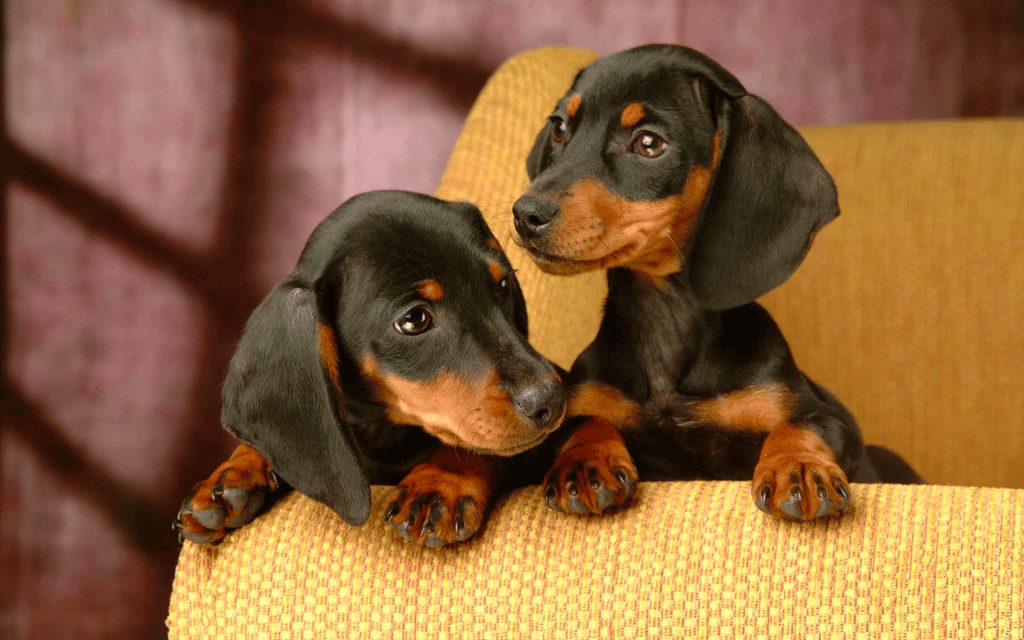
{"x": 697, "y": 198}
{"x": 394, "y": 352}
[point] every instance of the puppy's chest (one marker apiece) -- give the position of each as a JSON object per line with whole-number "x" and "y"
{"x": 389, "y": 451}
{"x": 695, "y": 390}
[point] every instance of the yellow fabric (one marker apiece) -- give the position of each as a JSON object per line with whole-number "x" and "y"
{"x": 909, "y": 307}
{"x": 488, "y": 168}
{"x": 689, "y": 560}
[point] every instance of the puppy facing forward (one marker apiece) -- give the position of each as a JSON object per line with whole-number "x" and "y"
{"x": 395, "y": 352}
{"x": 697, "y": 198}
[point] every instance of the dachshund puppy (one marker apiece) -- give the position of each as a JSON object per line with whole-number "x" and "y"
{"x": 697, "y": 198}
{"x": 395, "y": 352}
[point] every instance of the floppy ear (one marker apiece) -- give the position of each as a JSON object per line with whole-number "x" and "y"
{"x": 770, "y": 195}
{"x": 282, "y": 396}
{"x": 540, "y": 154}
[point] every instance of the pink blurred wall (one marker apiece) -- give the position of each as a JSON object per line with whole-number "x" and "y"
{"x": 165, "y": 160}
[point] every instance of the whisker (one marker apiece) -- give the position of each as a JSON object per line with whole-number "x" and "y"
{"x": 618, "y": 231}
{"x": 612, "y": 251}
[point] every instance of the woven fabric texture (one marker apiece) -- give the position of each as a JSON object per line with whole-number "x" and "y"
{"x": 689, "y": 560}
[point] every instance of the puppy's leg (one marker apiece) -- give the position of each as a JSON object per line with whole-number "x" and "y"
{"x": 231, "y": 497}
{"x": 593, "y": 473}
{"x": 444, "y": 499}
{"x": 797, "y": 476}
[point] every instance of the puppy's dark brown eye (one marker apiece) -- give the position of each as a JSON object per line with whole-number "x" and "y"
{"x": 505, "y": 285}
{"x": 558, "y": 130}
{"x": 649, "y": 145}
{"x": 414, "y": 322}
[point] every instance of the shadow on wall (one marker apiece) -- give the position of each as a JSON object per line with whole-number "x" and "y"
{"x": 211, "y": 277}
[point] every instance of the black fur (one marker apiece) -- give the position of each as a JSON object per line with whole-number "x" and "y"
{"x": 669, "y": 341}
{"x": 358, "y": 274}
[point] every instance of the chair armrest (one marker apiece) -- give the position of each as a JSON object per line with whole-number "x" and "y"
{"x": 688, "y": 559}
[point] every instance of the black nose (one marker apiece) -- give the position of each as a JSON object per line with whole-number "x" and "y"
{"x": 532, "y": 215}
{"x": 541, "y": 403}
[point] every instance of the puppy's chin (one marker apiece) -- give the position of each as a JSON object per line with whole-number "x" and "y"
{"x": 490, "y": 448}
{"x": 559, "y": 266}
{"x": 653, "y": 258}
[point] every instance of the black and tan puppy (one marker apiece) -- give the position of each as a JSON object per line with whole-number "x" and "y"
{"x": 395, "y": 352}
{"x": 697, "y": 198}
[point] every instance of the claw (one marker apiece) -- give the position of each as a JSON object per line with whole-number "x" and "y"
{"x": 433, "y": 516}
{"x": 628, "y": 483}
{"x": 842, "y": 491}
{"x": 763, "y": 495}
{"x": 549, "y": 498}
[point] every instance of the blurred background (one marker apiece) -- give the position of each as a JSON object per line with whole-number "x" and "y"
{"x": 165, "y": 160}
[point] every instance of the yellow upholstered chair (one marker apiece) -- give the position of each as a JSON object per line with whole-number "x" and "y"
{"x": 910, "y": 307}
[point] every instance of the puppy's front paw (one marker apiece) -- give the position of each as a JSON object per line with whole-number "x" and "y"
{"x": 800, "y": 485}
{"x": 231, "y": 497}
{"x": 435, "y": 505}
{"x": 594, "y": 473}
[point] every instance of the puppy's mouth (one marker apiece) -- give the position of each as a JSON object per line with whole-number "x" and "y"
{"x": 505, "y": 451}
{"x": 493, "y": 446}
{"x": 564, "y": 265}
{"x": 561, "y": 262}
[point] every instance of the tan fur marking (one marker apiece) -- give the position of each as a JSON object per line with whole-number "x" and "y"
{"x": 595, "y": 452}
{"x": 495, "y": 269}
{"x": 758, "y": 408}
{"x": 474, "y": 415}
{"x": 599, "y": 229}
{"x": 493, "y": 243}
{"x": 599, "y": 433}
{"x": 573, "y": 105}
{"x": 454, "y": 473}
{"x": 328, "y": 349}
{"x": 431, "y": 290}
{"x": 787, "y": 439}
{"x": 462, "y": 481}
{"x": 797, "y": 459}
{"x": 603, "y": 401}
{"x": 632, "y": 114}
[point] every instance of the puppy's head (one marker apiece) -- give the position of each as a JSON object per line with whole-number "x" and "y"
{"x": 402, "y": 302}
{"x": 658, "y": 160}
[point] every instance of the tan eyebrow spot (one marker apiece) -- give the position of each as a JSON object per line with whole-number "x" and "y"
{"x": 632, "y": 114}
{"x": 573, "y": 105}
{"x": 492, "y": 243}
{"x": 431, "y": 290}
